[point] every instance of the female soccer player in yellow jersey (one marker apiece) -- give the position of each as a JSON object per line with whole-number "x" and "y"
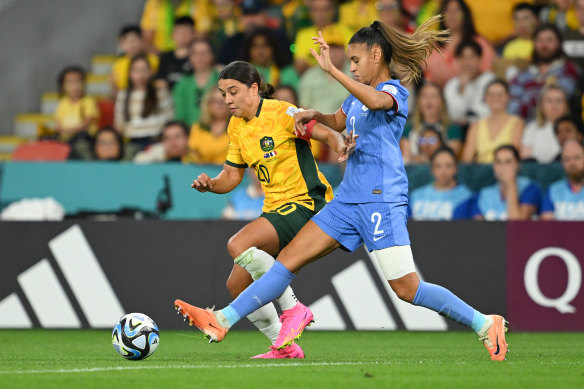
{"x": 262, "y": 136}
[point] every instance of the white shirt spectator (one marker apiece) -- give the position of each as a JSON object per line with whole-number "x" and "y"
{"x": 470, "y": 100}
{"x": 542, "y": 141}
{"x": 137, "y": 126}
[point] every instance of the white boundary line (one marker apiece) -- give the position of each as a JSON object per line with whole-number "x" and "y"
{"x": 221, "y": 366}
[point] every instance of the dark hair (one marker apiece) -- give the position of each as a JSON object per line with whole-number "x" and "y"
{"x": 471, "y": 44}
{"x": 291, "y": 89}
{"x": 407, "y": 51}
{"x": 184, "y": 21}
{"x": 278, "y": 56}
{"x": 118, "y": 138}
{"x": 571, "y": 119}
{"x": 130, "y": 29}
{"x": 246, "y": 74}
{"x": 499, "y": 81}
{"x": 525, "y": 7}
{"x": 443, "y": 149}
{"x": 151, "y": 100}
{"x": 535, "y": 58}
{"x": 178, "y": 123}
{"x": 510, "y": 148}
{"x": 69, "y": 69}
{"x": 468, "y": 28}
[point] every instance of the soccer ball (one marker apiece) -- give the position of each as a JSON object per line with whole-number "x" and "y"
{"x": 135, "y": 336}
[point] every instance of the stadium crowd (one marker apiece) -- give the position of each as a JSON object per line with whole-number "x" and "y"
{"x": 506, "y": 89}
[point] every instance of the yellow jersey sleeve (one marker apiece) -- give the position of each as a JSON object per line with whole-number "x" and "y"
{"x": 234, "y": 157}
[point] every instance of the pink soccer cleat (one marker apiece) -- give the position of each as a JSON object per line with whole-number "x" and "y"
{"x": 292, "y": 351}
{"x": 293, "y": 320}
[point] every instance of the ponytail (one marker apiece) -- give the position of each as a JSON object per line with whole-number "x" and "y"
{"x": 266, "y": 90}
{"x": 406, "y": 53}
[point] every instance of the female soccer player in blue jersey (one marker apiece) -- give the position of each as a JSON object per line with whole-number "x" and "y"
{"x": 371, "y": 206}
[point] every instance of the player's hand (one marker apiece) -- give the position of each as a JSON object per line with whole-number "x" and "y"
{"x": 300, "y": 119}
{"x": 203, "y": 183}
{"x": 324, "y": 59}
{"x": 348, "y": 147}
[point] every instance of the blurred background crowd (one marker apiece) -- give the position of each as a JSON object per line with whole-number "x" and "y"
{"x": 506, "y": 90}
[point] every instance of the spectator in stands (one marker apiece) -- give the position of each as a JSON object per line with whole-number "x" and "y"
{"x": 226, "y": 22}
{"x": 429, "y": 110}
{"x": 131, "y": 44}
{"x": 318, "y": 90}
{"x": 392, "y": 13}
{"x": 286, "y": 93}
{"x": 429, "y": 141}
{"x": 574, "y": 38}
{"x": 158, "y": 16}
{"x": 209, "y": 141}
{"x": 499, "y": 128}
{"x": 322, "y": 14}
{"x": 253, "y": 15}
{"x": 526, "y": 21}
{"x": 539, "y": 141}
{"x": 261, "y": 49}
{"x": 76, "y": 114}
{"x": 246, "y": 203}
{"x": 548, "y": 65}
{"x": 142, "y": 109}
{"x": 174, "y": 64}
{"x": 493, "y": 19}
{"x": 355, "y": 14}
{"x": 189, "y": 90}
{"x": 561, "y": 14}
{"x": 564, "y": 200}
{"x": 465, "y": 93}
{"x": 441, "y": 67}
{"x": 568, "y": 128}
{"x": 512, "y": 197}
{"x": 444, "y": 198}
{"x": 172, "y": 148}
{"x": 108, "y": 145}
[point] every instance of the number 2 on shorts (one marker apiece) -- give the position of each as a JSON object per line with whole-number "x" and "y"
{"x": 376, "y": 215}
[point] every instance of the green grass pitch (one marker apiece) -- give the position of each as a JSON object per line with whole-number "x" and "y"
{"x": 86, "y": 359}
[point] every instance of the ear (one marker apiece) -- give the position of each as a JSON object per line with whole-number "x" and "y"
{"x": 376, "y": 54}
{"x": 254, "y": 89}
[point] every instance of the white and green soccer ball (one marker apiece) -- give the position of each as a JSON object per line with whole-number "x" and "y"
{"x": 135, "y": 336}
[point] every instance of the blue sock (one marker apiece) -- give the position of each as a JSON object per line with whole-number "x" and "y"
{"x": 267, "y": 288}
{"x": 444, "y": 302}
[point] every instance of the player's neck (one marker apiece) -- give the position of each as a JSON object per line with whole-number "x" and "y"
{"x": 253, "y": 110}
{"x": 381, "y": 77}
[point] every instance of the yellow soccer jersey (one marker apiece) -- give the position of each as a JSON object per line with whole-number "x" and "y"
{"x": 283, "y": 162}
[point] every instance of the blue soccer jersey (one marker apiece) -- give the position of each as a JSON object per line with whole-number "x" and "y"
{"x": 375, "y": 171}
{"x": 564, "y": 202}
{"x": 429, "y": 203}
{"x": 492, "y": 206}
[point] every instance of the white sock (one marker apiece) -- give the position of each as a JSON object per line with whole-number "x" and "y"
{"x": 266, "y": 320}
{"x": 488, "y": 323}
{"x": 257, "y": 263}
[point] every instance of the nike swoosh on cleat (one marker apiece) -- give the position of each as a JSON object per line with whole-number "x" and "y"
{"x": 498, "y": 348}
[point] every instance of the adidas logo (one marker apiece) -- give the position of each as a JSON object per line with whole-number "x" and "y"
{"x": 47, "y": 297}
{"x": 365, "y": 305}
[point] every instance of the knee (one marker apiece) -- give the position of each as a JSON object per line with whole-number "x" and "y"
{"x": 234, "y": 247}
{"x": 406, "y": 287}
{"x": 405, "y": 293}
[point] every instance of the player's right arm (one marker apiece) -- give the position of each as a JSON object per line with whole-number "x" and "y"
{"x": 225, "y": 181}
{"x": 336, "y": 120}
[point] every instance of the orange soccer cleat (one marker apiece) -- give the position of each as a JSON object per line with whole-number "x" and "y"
{"x": 203, "y": 319}
{"x": 494, "y": 340}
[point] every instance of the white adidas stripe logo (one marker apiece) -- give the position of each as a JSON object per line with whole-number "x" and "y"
{"x": 365, "y": 306}
{"x": 47, "y": 297}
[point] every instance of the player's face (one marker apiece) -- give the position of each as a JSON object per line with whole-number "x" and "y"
{"x": 362, "y": 62}
{"x": 444, "y": 169}
{"x": 239, "y": 97}
{"x": 567, "y": 130}
{"x": 573, "y": 161}
{"x": 554, "y": 105}
{"x": 140, "y": 73}
{"x": 505, "y": 165}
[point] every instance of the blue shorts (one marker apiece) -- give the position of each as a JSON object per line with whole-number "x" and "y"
{"x": 378, "y": 225}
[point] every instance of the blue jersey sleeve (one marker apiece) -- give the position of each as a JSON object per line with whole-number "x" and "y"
{"x": 463, "y": 210}
{"x": 473, "y": 206}
{"x": 399, "y": 98}
{"x": 531, "y": 196}
{"x": 547, "y": 204}
{"x": 347, "y": 104}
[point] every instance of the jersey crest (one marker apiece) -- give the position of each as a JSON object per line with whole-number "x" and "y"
{"x": 267, "y": 143}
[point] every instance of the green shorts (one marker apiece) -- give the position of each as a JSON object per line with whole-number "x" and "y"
{"x": 288, "y": 220}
